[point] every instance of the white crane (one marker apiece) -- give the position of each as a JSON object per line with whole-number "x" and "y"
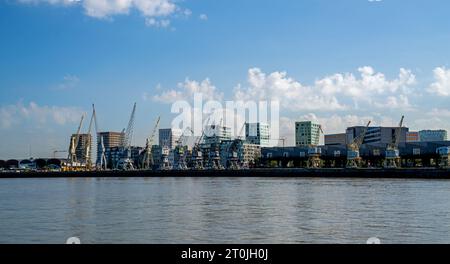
{"x": 126, "y": 162}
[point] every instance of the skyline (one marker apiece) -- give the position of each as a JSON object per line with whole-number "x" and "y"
{"x": 340, "y": 64}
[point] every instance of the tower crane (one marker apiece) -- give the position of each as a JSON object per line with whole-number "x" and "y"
{"x": 314, "y": 151}
{"x": 392, "y": 159}
{"x": 353, "y": 157}
{"x": 147, "y": 160}
{"x": 125, "y": 162}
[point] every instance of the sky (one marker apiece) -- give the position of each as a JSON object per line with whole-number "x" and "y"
{"x": 340, "y": 63}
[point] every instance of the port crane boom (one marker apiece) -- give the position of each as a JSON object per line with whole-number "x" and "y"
{"x": 74, "y": 143}
{"x": 147, "y": 161}
{"x": 392, "y": 159}
{"x": 126, "y": 163}
{"x": 353, "y": 157}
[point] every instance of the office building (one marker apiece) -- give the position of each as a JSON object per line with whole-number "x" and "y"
{"x": 412, "y": 136}
{"x": 384, "y": 135}
{"x": 110, "y": 140}
{"x": 257, "y": 134}
{"x": 336, "y": 139}
{"x": 215, "y": 134}
{"x": 307, "y": 133}
{"x": 84, "y": 140}
{"x": 432, "y": 135}
{"x": 168, "y": 137}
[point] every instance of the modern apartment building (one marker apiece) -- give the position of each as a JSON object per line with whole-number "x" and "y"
{"x": 215, "y": 134}
{"x": 433, "y": 135}
{"x": 80, "y": 151}
{"x": 257, "y": 134}
{"x": 168, "y": 137}
{"x": 110, "y": 140}
{"x": 307, "y": 133}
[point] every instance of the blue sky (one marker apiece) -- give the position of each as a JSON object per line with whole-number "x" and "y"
{"x": 57, "y": 57}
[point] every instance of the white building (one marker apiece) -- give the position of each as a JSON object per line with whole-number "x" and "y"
{"x": 168, "y": 137}
{"x": 215, "y": 134}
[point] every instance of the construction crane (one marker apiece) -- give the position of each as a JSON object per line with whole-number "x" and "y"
{"x": 147, "y": 160}
{"x": 180, "y": 153}
{"x": 125, "y": 162}
{"x": 233, "y": 152}
{"x": 353, "y": 157}
{"x": 392, "y": 159}
{"x": 314, "y": 151}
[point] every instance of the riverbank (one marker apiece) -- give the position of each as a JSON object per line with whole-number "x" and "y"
{"x": 415, "y": 173}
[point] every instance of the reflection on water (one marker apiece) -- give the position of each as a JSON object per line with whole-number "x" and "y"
{"x": 224, "y": 210}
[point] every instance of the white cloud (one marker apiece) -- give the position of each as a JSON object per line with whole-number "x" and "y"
{"x": 11, "y": 115}
{"x": 154, "y": 11}
{"x": 441, "y": 86}
{"x": 334, "y": 92}
{"x": 68, "y": 82}
{"x": 186, "y": 91}
{"x": 203, "y": 17}
{"x": 279, "y": 87}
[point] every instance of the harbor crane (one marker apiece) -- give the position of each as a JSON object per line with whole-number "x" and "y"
{"x": 233, "y": 155}
{"x": 103, "y": 165}
{"x": 314, "y": 152}
{"x": 353, "y": 155}
{"x": 126, "y": 162}
{"x": 72, "y": 160}
{"x": 88, "y": 145}
{"x": 214, "y": 152}
{"x": 180, "y": 152}
{"x": 444, "y": 156}
{"x": 147, "y": 160}
{"x": 197, "y": 153}
{"x": 392, "y": 159}
{"x": 165, "y": 153}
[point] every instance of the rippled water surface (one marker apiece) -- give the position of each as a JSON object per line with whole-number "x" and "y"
{"x": 224, "y": 210}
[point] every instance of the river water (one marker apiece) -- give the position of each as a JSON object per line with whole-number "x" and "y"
{"x": 224, "y": 210}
